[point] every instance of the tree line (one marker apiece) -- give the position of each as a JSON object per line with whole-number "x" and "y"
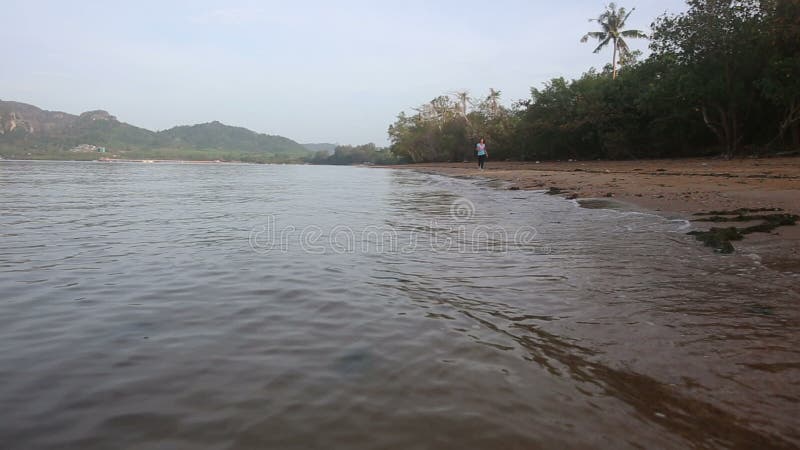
{"x": 359, "y": 154}
{"x": 723, "y": 78}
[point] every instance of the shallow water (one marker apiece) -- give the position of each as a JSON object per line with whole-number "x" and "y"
{"x": 247, "y": 306}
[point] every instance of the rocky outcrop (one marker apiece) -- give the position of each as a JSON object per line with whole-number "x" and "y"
{"x": 21, "y": 119}
{"x": 13, "y": 121}
{"x": 98, "y": 115}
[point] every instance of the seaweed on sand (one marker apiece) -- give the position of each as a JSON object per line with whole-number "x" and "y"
{"x": 779, "y": 219}
{"x": 720, "y": 238}
{"x": 737, "y": 211}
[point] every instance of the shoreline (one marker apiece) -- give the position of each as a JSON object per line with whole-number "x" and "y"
{"x": 675, "y": 188}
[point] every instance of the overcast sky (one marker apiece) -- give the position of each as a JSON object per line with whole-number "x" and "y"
{"x": 312, "y": 71}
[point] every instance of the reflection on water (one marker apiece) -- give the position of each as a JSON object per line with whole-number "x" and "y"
{"x": 139, "y": 311}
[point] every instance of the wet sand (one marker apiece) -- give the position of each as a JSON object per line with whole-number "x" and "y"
{"x": 677, "y": 188}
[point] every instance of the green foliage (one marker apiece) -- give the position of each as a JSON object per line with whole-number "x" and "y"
{"x": 361, "y": 154}
{"x": 719, "y": 49}
{"x": 780, "y": 82}
{"x": 723, "y": 78}
{"x": 447, "y": 129}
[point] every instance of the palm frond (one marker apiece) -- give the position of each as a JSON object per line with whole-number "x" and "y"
{"x": 634, "y": 34}
{"x": 602, "y": 44}
{"x": 625, "y": 19}
{"x": 622, "y": 46}
{"x": 594, "y": 35}
{"x": 618, "y": 20}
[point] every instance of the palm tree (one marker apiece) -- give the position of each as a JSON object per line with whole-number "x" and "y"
{"x": 612, "y": 21}
{"x": 462, "y": 99}
{"x": 494, "y": 100}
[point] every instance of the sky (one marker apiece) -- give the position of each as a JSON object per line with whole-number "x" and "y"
{"x": 312, "y": 71}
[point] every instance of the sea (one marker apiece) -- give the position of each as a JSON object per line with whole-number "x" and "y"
{"x": 243, "y": 306}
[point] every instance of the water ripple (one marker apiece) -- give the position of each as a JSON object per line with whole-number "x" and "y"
{"x": 137, "y": 313}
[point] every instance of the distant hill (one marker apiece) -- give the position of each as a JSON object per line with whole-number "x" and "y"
{"x": 25, "y": 126}
{"x": 28, "y": 131}
{"x": 215, "y": 135}
{"x": 321, "y": 147}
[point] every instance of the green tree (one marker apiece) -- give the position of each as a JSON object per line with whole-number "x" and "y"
{"x": 780, "y": 83}
{"x": 715, "y": 45}
{"x": 724, "y": 71}
{"x": 612, "y": 22}
{"x": 446, "y": 129}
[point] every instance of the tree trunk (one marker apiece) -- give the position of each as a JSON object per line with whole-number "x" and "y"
{"x": 735, "y": 138}
{"x": 791, "y": 116}
{"x": 715, "y": 128}
{"x": 614, "y": 61}
{"x": 724, "y": 128}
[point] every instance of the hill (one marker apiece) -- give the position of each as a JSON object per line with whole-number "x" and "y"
{"x": 215, "y": 135}
{"x": 30, "y": 132}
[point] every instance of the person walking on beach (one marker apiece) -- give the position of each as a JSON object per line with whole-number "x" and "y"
{"x": 480, "y": 150}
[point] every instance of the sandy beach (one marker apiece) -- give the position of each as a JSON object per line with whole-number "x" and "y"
{"x": 677, "y": 188}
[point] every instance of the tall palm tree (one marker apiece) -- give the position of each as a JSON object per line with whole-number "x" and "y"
{"x": 494, "y": 100}
{"x": 612, "y": 22}
{"x": 462, "y": 99}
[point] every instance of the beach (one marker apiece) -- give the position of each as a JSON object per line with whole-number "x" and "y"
{"x": 673, "y": 188}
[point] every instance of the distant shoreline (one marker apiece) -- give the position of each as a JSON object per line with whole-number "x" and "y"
{"x": 144, "y": 161}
